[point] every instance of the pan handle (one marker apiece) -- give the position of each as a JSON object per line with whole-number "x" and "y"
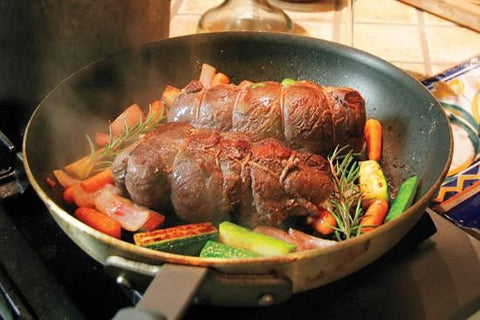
{"x": 12, "y": 176}
{"x": 168, "y": 295}
{"x": 192, "y": 283}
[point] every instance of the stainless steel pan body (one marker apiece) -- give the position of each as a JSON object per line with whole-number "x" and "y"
{"x": 417, "y": 138}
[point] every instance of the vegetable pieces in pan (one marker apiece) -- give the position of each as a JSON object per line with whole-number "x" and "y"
{"x": 361, "y": 200}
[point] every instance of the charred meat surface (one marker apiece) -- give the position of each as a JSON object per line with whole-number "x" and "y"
{"x": 305, "y": 115}
{"x": 209, "y": 175}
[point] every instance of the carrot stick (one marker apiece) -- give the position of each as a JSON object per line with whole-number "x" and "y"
{"x": 78, "y": 195}
{"x": 101, "y": 139}
{"x": 98, "y": 180}
{"x": 99, "y": 221}
{"x": 51, "y": 183}
{"x": 68, "y": 195}
{"x": 374, "y": 216}
{"x": 157, "y": 110}
{"x": 373, "y": 139}
{"x": 129, "y": 117}
{"x": 64, "y": 178}
{"x": 325, "y": 223}
{"x": 220, "y": 78}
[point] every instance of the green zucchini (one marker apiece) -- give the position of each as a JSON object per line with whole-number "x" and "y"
{"x": 403, "y": 200}
{"x": 189, "y": 246}
{"x": 187, "y": 239}
{"x": 373, "y": 185}
{"x": 214, "y": 249}
{"x": 240, "y": 237}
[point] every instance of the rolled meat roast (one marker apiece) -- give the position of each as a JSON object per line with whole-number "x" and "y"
{"x": 305, "y": 115}
{"x": 209, "y": 175}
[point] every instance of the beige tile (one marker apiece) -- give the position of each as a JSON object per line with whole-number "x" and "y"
{"x": 399, "y": 43}
{"x": 452, "y": 44}
{"x": 197, "y": 6}
{"x": 183, "y": 24}
{"x": 431, "y": 19}
{"x": 391, "y": 11}
{"x": 416, "y": 70}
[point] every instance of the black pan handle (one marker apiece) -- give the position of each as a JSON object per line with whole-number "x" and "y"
{"x": 168, "y": 295}
{"x": 12, "y": 176}
{"x": 175, "y": 286}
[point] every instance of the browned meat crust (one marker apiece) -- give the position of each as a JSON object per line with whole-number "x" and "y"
{"x": 207, "y": 175}
{"x": 304, "y": 115}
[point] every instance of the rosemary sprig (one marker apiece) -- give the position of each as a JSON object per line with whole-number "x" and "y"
{"x": 345, "y": 201}
{"x": 102, "y": 158}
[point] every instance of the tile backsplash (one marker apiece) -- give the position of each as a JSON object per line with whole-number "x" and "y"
{"x": 414, "y": 40}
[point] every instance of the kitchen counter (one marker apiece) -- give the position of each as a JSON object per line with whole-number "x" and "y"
{"x": 416, "y": 41}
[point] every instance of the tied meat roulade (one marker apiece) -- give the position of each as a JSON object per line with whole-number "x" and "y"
{"x": 303, "y": 114}
{"x": 208, "y": 175}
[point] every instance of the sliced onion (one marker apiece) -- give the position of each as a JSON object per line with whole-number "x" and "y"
{"x": 275, "y": 233}
{"x": 306, "y": 242}
{"x": 132, "y": 217}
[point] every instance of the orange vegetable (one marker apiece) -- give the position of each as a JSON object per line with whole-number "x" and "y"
{"x": 99, "y": 221}
{"x": 101, "y": 139}
{"x": 220, "y": 78}
{"x": 157, "y": 110}
{"x": 51, "y": 183}
{"x": 170, "y": 94}
{"x": 373, "y": 139}
{"x": 374, "y": 216}
{"x": 129, "y": 117}
{"x": 68, "y": 195}
{"x": 78, "y": 195}
{"x": 64, "y": 179}
{"x": 98, "y": 180}
{"x": 325, "y": 222}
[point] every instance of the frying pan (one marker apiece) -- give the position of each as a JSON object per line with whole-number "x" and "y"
{"x": 417, "y": 140}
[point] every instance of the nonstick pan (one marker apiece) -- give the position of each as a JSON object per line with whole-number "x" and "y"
{"x": 417, "y": 140}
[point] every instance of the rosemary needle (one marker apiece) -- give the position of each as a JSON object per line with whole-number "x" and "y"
{"x": 345, "y": 201}
{"x": 102, "y": 158}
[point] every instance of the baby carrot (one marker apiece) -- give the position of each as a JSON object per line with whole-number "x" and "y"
{"x": 98, "y": 180}
{"x": 68, "y": 194}
{"x": 157, "y": 110}
{"x": 129, "y": 117}
{"x": 99, "y": 221}
{"x": 374, "y": 216}
{"x": 220, "y": 78}
{"x": 325, "y": 223}
{"x": 373, "y": 139}
{"x": 101, "y": 139}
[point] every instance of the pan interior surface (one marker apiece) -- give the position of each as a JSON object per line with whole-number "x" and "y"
{"x": 416, "y": 140}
